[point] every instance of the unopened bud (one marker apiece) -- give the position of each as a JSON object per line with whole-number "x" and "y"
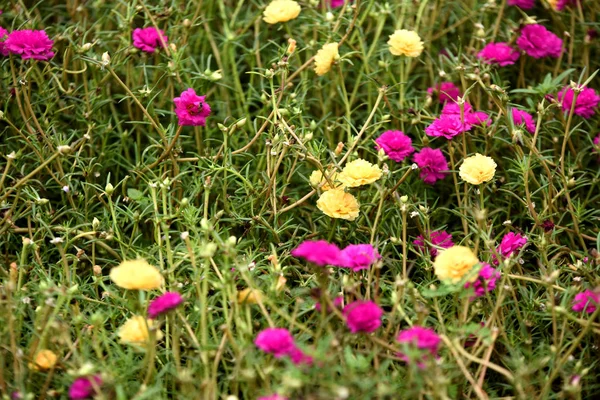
{"x": 109, "y": 189}
{"x": 339, "y": 148}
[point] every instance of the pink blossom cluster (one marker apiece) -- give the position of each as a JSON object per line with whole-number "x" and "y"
{"x": 586, "y": 102}
{"x": 84, "y": 387}
{"x": 191, "y": 109}
{"x": 586, "y": 301}
{"x": 445, "y": 91}
{"x": 452, "y": 122}
{"x": 501, "y": 54}
{"x": 539, "y": 42}
{"x": 322, "y": 253}
{"x": 27, "y": 43}
{"x": 486, "y": 281}
{"x": 148, "y": 39}
{"x": 420, "y": 340}
{"x": 432, "y": 164}
{"x": 280, "y": 343}
{"x": 164, "y": 304}
{"x": 524, "y": 4}
{"x": 437, "y": 239}
{"x": 363, "y": 316}
{"x": 510, "y": 244}
{"x": 396, "y": 145}
{"x": 521, "y": 117}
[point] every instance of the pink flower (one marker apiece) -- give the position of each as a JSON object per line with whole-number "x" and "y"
{"x": 277, "y": 341}
{"x": 587, "y": 101}
{"x": 486, "y": 281}
{"x": 438, "y": 239}
{"x": 447, "y": 126}
{"x": 338, "y": 302}
{"x": 419, "y": 338}
{"x": 498, "y": 53}
{"x": 30, "y": 44}
{"x": 148, "y": 39}
{"x": 432, "y": 163}
{"x": 395, "y": 144}
{"x": 445, "y": 91}
{"x": 511, "y": 243}
{"x": 521, "y": 117}
{"x": 363, "y": 316}
{"x": 596, "y": 144}
{"x": 470, "y": 117}
{"x": 298, "y": 357}
{"x": 586, "y": 301}
{"x": 3, "y": 50}
{"x": 85, "y": 387}
{"x": 191, "y": 109}
{"x": 336, "y": 3}
{"x": 319, "y": 252}
{"x": 524, "y": 4}
{"x": 273, "y": 397}
{"x": 359, "y": 256}
{"x": 164, "y": 303}
{"x": 561, "y": 4}
{"x": 538, "y": 42}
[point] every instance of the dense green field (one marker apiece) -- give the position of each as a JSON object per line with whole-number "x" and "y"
{"x": 233, "y": 199}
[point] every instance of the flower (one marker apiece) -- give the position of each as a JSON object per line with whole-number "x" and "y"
{"x": 249, "y": 296}
{"x": 559, "y": 5}
{"x": 336, "y": 3}
{"x": 445, "y": 91}
{"x": 277, "y": 341}
{"x": 498, "y": 53}
{"x": 136, "y": 274}
{"x": 191, "y": 109}
{"x": 148, "y": 39}
{"x": 405, "y": 43}
{"x": 521, "y": 117}
{"x": 511, "y": 243}
{"x": 359, "y": 256}
{"x": 469, "y": 116}
{"x": 298, "y": 357}
{"x": 325, "y": 58}
{"x": 419, "y": 338}
{"x": 336, "y": 203}
{"x": 164, "y": 303}
{"x": 44, "y": 360}
{"x": 432, "y": 163}
{"x": 363, "y": 316}
{"x": 538, "y": 42}
{"x": 524, "y": 4}
{"x": 317, "y": 179}
{"x": 135, "y": 331}
{"x": 281, "y": 11}
{"x": 3, "y": 50}
{"x": 486, "y": 281}
{"x": 448, "y": 126}
{"x": 273, "y": 396}
{"x": 586, "y": 301}
{"x": 359, "y": 172}
{"x": 396, "y": 145}
{"x": 318, "y": 252}
{"x": 587, "y": 100}
{"x": 438, "y": 239}
{"x": 455, "y": 263}
{"x": 84, "y": 387}
{"x": 477, "y": 169}
{"x": 30, "y": 44}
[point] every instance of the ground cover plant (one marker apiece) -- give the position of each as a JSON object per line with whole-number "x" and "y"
{"x": 299, "y": 200}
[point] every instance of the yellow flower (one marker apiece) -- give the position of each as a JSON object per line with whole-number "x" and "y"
{"x": 281, "y": 11}
{"x": 249, "y": 296}
{"x": 553, "y": 4}
{"x": 136, "y": 274}
{"x": 136, "y": 331}
{"x": 454, "y": 263}
{"x": 43, "y": 360}
{"x": 477, "y": 169}
{"x": 405, "y": 43}
{"x": 325, "y": 58}
{"x": 316, "y": 178}
{"x": 338, "y": 204}
{"x": 359, "y": 172}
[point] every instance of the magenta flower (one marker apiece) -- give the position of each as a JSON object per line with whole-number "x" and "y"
{"x": 396, "y": 145}
{"x": 432, "y": 163}
{"x": 30, "y": 44}
{"x": 363, "y": 316}
{"x": 538, "y": 42}
{"x": 419, "y": 338}
{"x": 438, "y": 239}
{"x": 445, "y": 91}
{"x": 524, "y": 4}
{"x": 84, "y": 387}
{"x": 448, "y": 126}
{"x": 277, "y": 341}
{"x": 298, "y": 357}
{"x": 359, "y": 256}
{"x": 319, "y": 252}
{"x": 336, "y": 3}
{"x": 510, "y": 244}
{"x": 191, "y": 109}
{"x": 587, "y": 101}
{"x": 521, "y": 117}
{"x": 470, "y": 117}
{"x": 486, "y": 281}
{"x": 164, "y": 303}
{"x": 273, "y": 397}
{"x": 3, "y": 50}
{"x": 586, "y": 301}
{"x": 499, "y": 54}
{"x": 148, "y": 39}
